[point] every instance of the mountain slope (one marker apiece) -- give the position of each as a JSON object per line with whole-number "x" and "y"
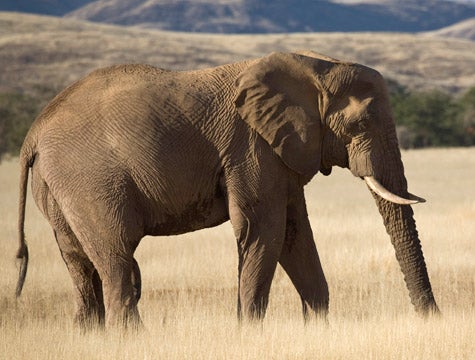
{"x": 263, "y": 16}
{"x": 38, "y": 51}
{"x": 463, "y": 30}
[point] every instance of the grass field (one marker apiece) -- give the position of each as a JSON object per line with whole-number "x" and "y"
{"x": 189, "y": 282}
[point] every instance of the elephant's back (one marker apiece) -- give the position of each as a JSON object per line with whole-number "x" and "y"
{"x": 91, "y": 88}
{"x": 101, "y": 88}
{"x": 104, "y": 110}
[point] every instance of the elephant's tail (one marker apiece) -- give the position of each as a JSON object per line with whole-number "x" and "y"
{"x": 22, "y": 253}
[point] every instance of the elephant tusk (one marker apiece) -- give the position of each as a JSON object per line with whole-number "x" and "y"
{"x": 387, "y": 195}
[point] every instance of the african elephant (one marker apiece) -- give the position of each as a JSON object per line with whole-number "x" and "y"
{"x": 133, "y": 150}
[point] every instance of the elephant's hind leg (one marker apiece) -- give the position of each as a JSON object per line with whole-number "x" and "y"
{"x": 136, "y": 283}
{"x": 89, "y": 307}
{"x": 136, "y": 280}
{"x": 301, "y": 262}
{"x": 120, "y": 297}
{"x": 111, "y": 248}
{"x": 89, "y": 304}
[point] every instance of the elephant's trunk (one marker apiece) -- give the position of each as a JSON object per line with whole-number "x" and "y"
{"x": 401, "y": 227}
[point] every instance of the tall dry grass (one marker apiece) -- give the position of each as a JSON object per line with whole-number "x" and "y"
{"x": 189, "y": 282}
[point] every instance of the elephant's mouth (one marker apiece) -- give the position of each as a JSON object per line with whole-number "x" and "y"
{"x": 379, "y": 189}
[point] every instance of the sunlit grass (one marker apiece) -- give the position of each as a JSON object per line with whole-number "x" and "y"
{"x": 189, "y": 282}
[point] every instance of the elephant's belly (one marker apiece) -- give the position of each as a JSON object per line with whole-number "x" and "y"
{"x": 205, "y": 214}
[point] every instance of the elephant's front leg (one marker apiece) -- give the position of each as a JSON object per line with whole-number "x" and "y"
{"x": 260, "y": 234}
{"x": 300, "y": 259}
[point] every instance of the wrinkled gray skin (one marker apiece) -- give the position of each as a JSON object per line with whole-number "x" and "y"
{"x": 133, "y": 150}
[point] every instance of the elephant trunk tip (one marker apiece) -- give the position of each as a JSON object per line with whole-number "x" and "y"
{"x": 426, "y": 306}
{"x": 431, "y": 311}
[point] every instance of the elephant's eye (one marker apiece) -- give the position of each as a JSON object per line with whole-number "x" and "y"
{"x": 362, "y": 125}
{"x": 357, "y": 127}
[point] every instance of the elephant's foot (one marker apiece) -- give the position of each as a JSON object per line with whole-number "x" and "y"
{"x": 88, "y": 320}
{"x": 120, "y": 299}
{"x": 124, "y": 319}
{"x": 252, "y": 310}
{"x": 315, "y": 311}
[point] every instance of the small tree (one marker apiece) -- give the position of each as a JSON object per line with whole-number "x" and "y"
{"x": 431, "y": 118}
{"x": 466, "y": 117}
{"x": 17, "y": 112}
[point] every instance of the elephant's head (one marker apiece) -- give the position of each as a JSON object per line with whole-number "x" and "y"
{"x": 317, "y": 112}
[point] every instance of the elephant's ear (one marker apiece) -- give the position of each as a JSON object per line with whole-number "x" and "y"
{"x": 278, "y": 97}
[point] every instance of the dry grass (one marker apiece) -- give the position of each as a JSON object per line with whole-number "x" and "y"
{"x": 189, "y": 295}
{"x": 38, "y": 50}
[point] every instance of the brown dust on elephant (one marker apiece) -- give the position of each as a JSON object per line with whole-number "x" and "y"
{"x": 133, "y": 150}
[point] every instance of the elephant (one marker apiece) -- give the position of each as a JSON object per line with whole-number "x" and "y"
{"x": 133, "y": 150}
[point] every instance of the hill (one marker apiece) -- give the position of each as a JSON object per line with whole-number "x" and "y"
{"x": 263, "y": 16}
{"x": 463, "y": 30}
{"x": 259, "y": 16}
{"x": 38, "y": 51}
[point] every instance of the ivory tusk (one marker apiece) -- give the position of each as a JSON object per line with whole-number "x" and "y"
{"x": 386, "y": 194}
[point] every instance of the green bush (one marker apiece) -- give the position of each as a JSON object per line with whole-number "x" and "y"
{"x": 466, "y": 117}
{"x": 433, "y": 118}
{"x": 17, "y": 112}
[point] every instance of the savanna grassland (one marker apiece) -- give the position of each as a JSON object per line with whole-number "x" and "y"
{"x": 38, "y": 51}
{"x": 189, "y": 282}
